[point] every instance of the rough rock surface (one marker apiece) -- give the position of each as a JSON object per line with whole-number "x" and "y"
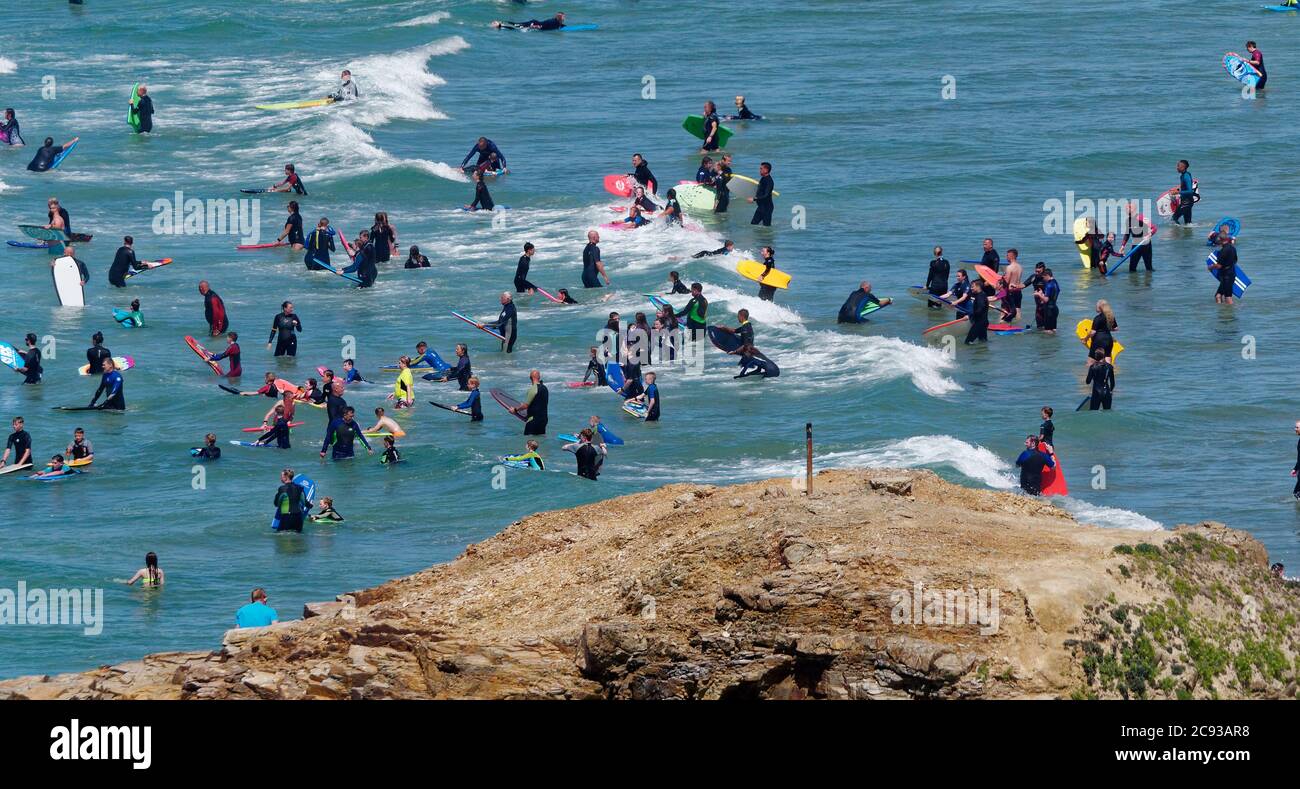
{"x": 758, "y": 591}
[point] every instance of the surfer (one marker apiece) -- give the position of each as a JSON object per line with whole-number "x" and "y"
{"x": 565, "y": 298}
{"x": 143, "y": 110}
{"x": 721, "y": 177}
{"x": 592, "y": 266}
{"x": 672, "y": 213}
{"x": 649, "y": 398}
{"x": 390, "y": 455}
{"x": 642, "y": 175}
{"x": 484, "y": 148}
{"x": 292, "y": 228}
{"x": 319, "y": 246}
{"x": 124, "y": 261}
{"x": 634, "y": 217}
{"x": 959, "y": 294}
{"x": 19, "y": 443}
{"x": 285, "y": 324}
{"x": 1138, "y": 230}
{"x": 711, "y": 128}
{"x": 727, "y": 248}
{"x": 151, "y": 575}
{"x": 9, "y": 131}
{"x": 979, "y": 313}
{"x": 595, "y": 368}
{"x": 415, "y": 260}
{"x": 522, "y": 285}
{"x": 536, "y": 405}
{"x": 386, "y": 424}
{"x": 696, "y": 310}
{"x": 383, "y": 236}
{"x": 507, "y": 322}
{"x": 110, "y": 385}
{"x": 58, "y": 216}
{"x": 44, "y": 157}
{"x": 290, "y": 506}
{"x": 461, "y": 372}
{"x": 639, "y": 198}
{"x": 742, "y": 112}
{"x": 1103, "y": 323}
{"x": 482, "y": 200}
{"x": 554, "y": 23}
{"x": 403, "y": 394}
{"x": 279, "y": 432}
{"x": 334, "y": 402}
{"x": 1257, "y": 60}
{"x": 96, "y": 353}
{"x": 426, "y": 357}
{"x": 80, "y": 448}
{"x": 1046, "y": 292}
{"x": 214, "y": 310}
{"x": 1102, "y": 377}
{"x": 851, "y": 309}
{"x": 348, "y": 90}
{"x": 762, "y": 198}
{"x": 327, "y": 512}
{"x": 209, "y": 450}
{"x": 473, "y": 404}
{"x": 936, "y": 279}
{"x": 1032, "y": 461}
{"x": 232, "y": 353}
{"x": 1225, "y": 268}
{"x": 767, "y": 292}
{"x": 530, "y": 456}
{"x": 990, "y": 257}
{"x": 492, "y": 166}
{"x": 340, "y": 434}
{"x": 590, "y": 456}
{"x": 31, "y": 367}
{"x": 291, "y": 182}
{"x": 1186, "y": 193}
{"x": 363, "y": 265}
{"x": 350, "y": 374}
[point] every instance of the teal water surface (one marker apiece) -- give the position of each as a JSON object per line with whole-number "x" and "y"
{"x": 874, "y": 164}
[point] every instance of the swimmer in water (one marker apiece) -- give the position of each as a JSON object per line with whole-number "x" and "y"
{"x": 403, "y": 395}
{"x": 554, "y": 23}
{"x": 386, "y": 424}
{"x": 44, "y": 157}
{"x": 151, "y": 575}
{"x": 110, "y": 385}
{"x": 530, "y": 456}
{"x": 391, "y": 456}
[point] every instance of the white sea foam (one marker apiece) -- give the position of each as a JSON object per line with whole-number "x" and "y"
{"x": 427, "y": 19}
{"x": 1106, "y": 517}
{"x": 7, "y": 66}
{"x": 395, "y": 86}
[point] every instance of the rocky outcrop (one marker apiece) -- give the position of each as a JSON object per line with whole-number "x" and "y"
{"x": 880, "y": 585}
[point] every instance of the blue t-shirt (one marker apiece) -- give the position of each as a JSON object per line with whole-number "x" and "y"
{"x": 257, "y": 614}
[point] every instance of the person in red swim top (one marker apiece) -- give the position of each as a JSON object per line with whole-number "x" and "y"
{"x": 231, "y": 353}
{"x": 291, "y": 181}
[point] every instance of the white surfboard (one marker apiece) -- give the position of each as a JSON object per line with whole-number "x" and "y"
{"x": 67, "y": 282}
{"x": 742, "y": 187}
{"x": 15, "y": 467}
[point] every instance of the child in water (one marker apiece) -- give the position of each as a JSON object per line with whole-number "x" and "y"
{"x": 531, "y": 458}
{"x": 391, "y": 455}
{"x": 327, "y": 512}
{"x": 55, "y": 468}
{"x": 209, "y": 450}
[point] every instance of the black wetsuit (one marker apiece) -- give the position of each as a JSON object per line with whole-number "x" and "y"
{"x": 1227, "y": 273}
{"x": 123, "y": 262}
{"x": 144, "y": 110}
{"x": 1102, "y": 377}
{"x": 1047, "y": 432}
{"x": 482, "y": 199}
{"x": 588, "y": 461}
{"x": 294, "y": 222}
{"x": 32, "y": 361}
{"x": 417, "y": 262}
{"x": 286, "y": 327}
{"x": 720, "y": 189}
{"x": 44, "y": 158}
{"x": 20, "y": 441}
{"x": 1296, "y": 468}
{"x": 1102, "y": 339}
{"x": 538, "y": 412}
{"x": 1031, "y": 463}
{"x": 646, "y": 178}
{"x": 475, "y": 405}
{"x": 712, "y": 128}
{"x": 1136, "y": 231}
{"x": 334, "y": 406}
{"x": 461, "y": 372}
{"x": 597, "y": 369}
{"x": 851, "y": 309}
{"x": 366, "y": 269}
{"x": 936, "y": 280}
{"x": 763, "y": 202}
{"x": 381, "y": 237}
{"x": 507, "y": 324}
{"x": 521, "y": 275}
{"x": 289, "y": 505}
{"x": 979, "y": 317}
{"x": 340, "y": 435}
{"x": 319, "y": 246}
{"x": 110, "y": 384}
{"x": 678, "y": 287}
{"x": 590, "y": 276}
{"x": 991, "y": 259}
{"x": 652, "y": 396}
{"x": 696, "y": 313}
{"x": 279, "y": 431}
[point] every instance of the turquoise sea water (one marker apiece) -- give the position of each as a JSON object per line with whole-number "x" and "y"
{"x": 1100, "y": 99}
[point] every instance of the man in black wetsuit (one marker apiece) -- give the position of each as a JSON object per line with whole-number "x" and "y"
{"x": 1225, "y": 268}
{"x": 289, "y": 503}
{"x": 1101, "y": 374}
{"x": 19, "y": 443}
{"x": 31, "y": 367}
{"x": 124, "y": 261}
{"x": 589, "y": 456}
{"x": 522, "y": 285}
{"x": 762, "y": 198}
{"x": 990, "y": 257}
{"x": 144, "y": 109}
{"x": 696, "y": 310}
{"x": 554, "y": 23}
{"x": 593, "y": 268}
{"x": 535, "y": 406}
{"x": 642, "y": 175}
{"x": 507, "y": 322}
{"x": 286, "y": 325}
{"x": 712, "y": 127}
{"x": 45, "y": 154}
{"x": 335, "y": 405}
{"x": 1032, "y": 462}
{"x": 851, "y": 310}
